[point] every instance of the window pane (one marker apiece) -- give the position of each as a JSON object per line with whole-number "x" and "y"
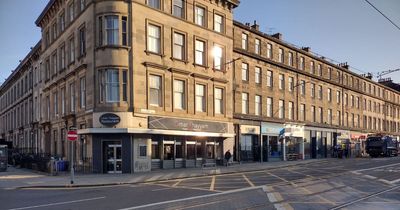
{"x": 154, "y": 3}
{"x": 112, "y": 30}
{"x": 217, "y": 57}
{"x": 200, "y": 98}
{"x": 153, "y": 39}
{"x": 218, "y": 101}
{"x": 179, "y": 46}
{"x": 218, "y": 23}
{"x": 179, "y": 94}
{"x": 112, "y": 85}
{"x": 155, "y": 90}
{"x": 200, "y": 16}
{"x": 200, "y": 52}
{"x": 179, "y": 8}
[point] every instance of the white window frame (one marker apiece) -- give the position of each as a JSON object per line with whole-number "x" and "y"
{"x": 179, "y": 46}
{"x": 156, "y": 88}
{"x": 200, "y": 16}
{"x": 218, "y": 100}
{"x": 154, "y": 38}
{"x": 257, "y": 105}
{"x": 245, "y": 72}
{"x": 219, "y": 23}
{"x": 179, "y": 94}
{"x": 245, "y": 39}
{"x": 200, "y": 52}
{"x": 257, "y": 75}
{"x": 200, "y": 98}
{"x": 245, "y": 103}
{"x": 257, "y": 46}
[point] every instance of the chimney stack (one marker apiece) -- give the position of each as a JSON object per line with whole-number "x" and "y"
{"x": 307, "y": 49}
{"x": 255, "y": 26}
{"x": 278, "y": 36}
{"x": 247, "y": 24}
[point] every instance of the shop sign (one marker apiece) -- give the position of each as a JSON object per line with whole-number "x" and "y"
{"x": 271, "y": 128}
{"x": 109, "y": 119}
{"x": 249, "y": 129}
{"x": 343, "y": 134}
{"x": 358, "y": 136}
{"x": 295, "y": 131}
{"x": 187, "y": 125}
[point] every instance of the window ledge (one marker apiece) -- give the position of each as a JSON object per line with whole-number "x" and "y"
{"x": 103, "y": 47}
{"x": 154, "y": 53}
{"x": 180, "y": 60}
{"x": 200, "y": 65}
{"x": 219, "y": 70}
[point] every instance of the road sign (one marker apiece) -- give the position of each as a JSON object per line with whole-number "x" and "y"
{"x": 72, "y": 135}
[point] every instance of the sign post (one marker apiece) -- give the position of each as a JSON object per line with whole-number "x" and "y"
{"x": 72, "y": 136}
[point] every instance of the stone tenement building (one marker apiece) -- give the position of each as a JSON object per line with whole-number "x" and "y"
{"x": 154, "y": 84}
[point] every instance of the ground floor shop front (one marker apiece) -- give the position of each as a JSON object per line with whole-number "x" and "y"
{"x": 271, "y": 141}
{"x": 130, "y": 150}
{"x": 129, "y": 153}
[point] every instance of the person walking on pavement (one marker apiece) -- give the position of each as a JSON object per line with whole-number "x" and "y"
{"x": 228, "y": 156}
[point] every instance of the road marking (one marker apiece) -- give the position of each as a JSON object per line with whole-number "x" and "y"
{"x": 161, "y": 189}
{"x": 274, "y": 197}
{"x": 369, "y": 176}
{"x": 283, "y": 206}
{"x": 303, "y": 188}
{"x": 395, "y": 181}
{"x": 59, "y": 203}
{"x": 248, "y": 180}
{"x": 203, "y": 204}
{"x": 385, "y": 181}
{"x": 193, "y": 198}
{"x": 212, "y": 185}
{"x": 178, "y": 182}
{"x": 367, "y": 169}
{"x": 364, "y": 198}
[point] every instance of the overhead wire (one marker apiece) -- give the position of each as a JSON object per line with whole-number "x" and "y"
{"x": 383, "y": 14}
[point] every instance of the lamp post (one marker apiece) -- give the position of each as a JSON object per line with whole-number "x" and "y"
{"x": 218, "y": 56}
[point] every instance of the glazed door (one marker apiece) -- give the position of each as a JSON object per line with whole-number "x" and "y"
{"x": 114, "y": 158}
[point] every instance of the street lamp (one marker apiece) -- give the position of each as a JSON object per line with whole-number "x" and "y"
{"x": 217, "y": 54}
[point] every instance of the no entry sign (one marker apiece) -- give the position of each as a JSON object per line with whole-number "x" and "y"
{"x": 72, "y": 135}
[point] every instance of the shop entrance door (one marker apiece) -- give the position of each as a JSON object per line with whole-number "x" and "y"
{"x": 114, "y": 158}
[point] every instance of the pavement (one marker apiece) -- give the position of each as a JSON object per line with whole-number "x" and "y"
{"x": 19, "y": 178}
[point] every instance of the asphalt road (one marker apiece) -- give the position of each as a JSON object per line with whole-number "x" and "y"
{"x": 331, "y": 184}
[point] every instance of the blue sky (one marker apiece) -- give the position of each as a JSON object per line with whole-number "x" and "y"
{"x": 343, "y": 30}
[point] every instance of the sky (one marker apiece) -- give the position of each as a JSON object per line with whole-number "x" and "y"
{"x": 343, "y": 30}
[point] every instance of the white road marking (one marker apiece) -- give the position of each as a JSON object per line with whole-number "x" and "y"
{"x": 161, "y": 189}
{"x": 385, "y": 181}
{"x": 212, "y": 185}
{"x": 271, "y": 197}
{"x": 248, "y": 180}
{"x": 368, "y": 169}
{"x": 369, "y": 176}
{"x": 193, "y": 198}
{"x": 364, "y": 198}
{"x": 59, "y": 203}
{"x": 395, "y": 181}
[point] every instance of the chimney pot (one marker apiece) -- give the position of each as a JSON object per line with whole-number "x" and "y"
{"x": 278, "y": 36}
{"x": 307, "y": 49}
{"x": 255, "y": 26}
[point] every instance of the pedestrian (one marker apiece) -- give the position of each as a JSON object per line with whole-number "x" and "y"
{"x": 228, "y": 156}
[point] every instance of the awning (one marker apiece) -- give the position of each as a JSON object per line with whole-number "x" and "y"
{"x": 152, "y": 131}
